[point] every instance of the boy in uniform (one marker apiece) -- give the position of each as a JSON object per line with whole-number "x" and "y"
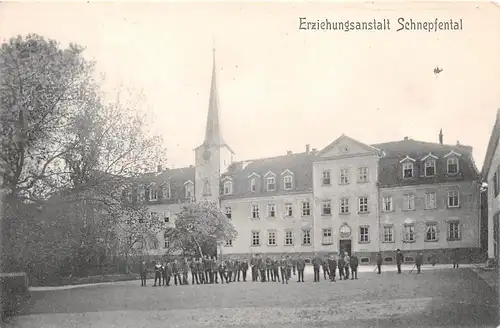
{"x": 143, "y": 270}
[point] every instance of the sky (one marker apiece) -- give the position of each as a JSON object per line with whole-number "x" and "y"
{"x": 281, "y": 88}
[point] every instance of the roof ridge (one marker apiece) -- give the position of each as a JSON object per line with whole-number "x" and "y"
{"x": 273, "y": 157}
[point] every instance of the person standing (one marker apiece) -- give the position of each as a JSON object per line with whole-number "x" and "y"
{"x": 164, "y": 273}
{"x": 269, "y": 268}
{"x": 332, "y": 267}
{"x": 213, "y": 270}
{"x": 325, "y": 267}
{"x": 200, "y": 270}
{"x": 316, "y": 266}
{"x": 379, "y": 263}
{"x": 354, "y": 262}
{"x": 275, "y": 270}
{"x": 341, "y": 264}
{"x": 237, "y": 268}
{"x": 143, "y": 271}
{"x": 222, "y": 271}
{"x": 244, "y": 269}
{"x": 301, "y": 265}
{"x": 206, "y": 265}
{"x": 175, "y": 272}
{"x": 455, "y": 258}
{"x": 284, "y": 270}
{"x": 253, "y": 266}
{"x": 294, "y": 263}
{"x": 194, "y": 271}
{"x": 158, "y": 270}
{"x": 168, "y": 273}
{"x": 185, "y": 270}
{"x": 347, "y": 260}
{"x": 419, "y": 261}
{"x": 230, "y": 269}
{"x": 263, "y": 269}
{"x": 399, "y": 259}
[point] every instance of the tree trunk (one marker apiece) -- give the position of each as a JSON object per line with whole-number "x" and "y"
{"x": 199, "y": 247}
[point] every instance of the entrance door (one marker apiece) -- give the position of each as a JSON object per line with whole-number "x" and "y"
{"x": 345, "y": 246}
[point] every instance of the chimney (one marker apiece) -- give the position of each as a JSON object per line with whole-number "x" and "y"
{"x": 441, "y": 136}
{"x": 289, "y": 152}
{"x": 406, "y": 138}
{"x": 159, "y": 169}
{"x": 308, "y": 148}
{"x": 458, "y": 143}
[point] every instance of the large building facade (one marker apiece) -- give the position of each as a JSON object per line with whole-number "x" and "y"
{"x": 349, "y": 196}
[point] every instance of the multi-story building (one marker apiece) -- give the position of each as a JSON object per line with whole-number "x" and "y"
{"x": 491, "y": 175}
{"x": 429, "y": 200}
{"x": 350, "y": 196}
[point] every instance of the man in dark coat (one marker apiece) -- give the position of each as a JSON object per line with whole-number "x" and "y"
{"x": 143, "y": 271}
{"x": 326, "y": 270}
{"x": 347, "y": 260}
{"x": 164, "y": 273}
{"x": 193, "y": 265}
{"x": 254, "y": 267}
{"x": 317, "y": 261}
{"x": 301, "y": 265}
{"x": 354, "y": 262}
{"x": 284, "y": 270}
{"x": 269, "y": 268}
{"x": 222, "y": 271}
{"x": 200, "y": 270}
{"x": 237, "y": 268}
{"x": 213, "y": 270}
{"x": 379, "y": 263}
{"x": 419, "y": 261}
{"x": 399, "y": 259}
{"x": 244, "y": 269}
{"x": 176, "y": 272}
{"x": 207, "y": 266}
{"x": 294, "y": 263}
{"x": 332, "y": 267}
{"x": 158, "y": 270}
{"x": 263, "y": 269}
{"x": 168, "y": 273}
{"x": 229, "y": 269}
{"x": 275, "y": 269}
{"x": 455, "y": 258}
{"x": 341, "y": 264}
{"x": 184, "y": 268}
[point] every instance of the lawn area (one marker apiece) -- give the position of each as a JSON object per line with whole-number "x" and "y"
{"x": 441, "y": 298}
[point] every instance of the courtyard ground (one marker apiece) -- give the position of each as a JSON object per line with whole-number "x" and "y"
{"x": 435, "y": 298}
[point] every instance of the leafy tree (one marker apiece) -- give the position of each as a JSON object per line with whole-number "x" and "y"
{"x": 201, "y": 225}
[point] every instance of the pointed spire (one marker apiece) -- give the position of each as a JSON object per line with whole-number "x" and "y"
{"x": 213, "y": 131}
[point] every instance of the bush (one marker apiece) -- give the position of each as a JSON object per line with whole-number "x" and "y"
{"x": 14, "y": 293}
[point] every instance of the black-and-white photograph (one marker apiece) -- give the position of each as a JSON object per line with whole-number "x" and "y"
{"x": 248, "y": 165}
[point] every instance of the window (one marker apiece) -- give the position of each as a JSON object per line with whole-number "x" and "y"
{"x": 388, "y": 259}
{"x": 344, "y": 205}
{"x": 453, "y": 198}
{"x": 207, "y": 189}
{"x": 306, "y": 237}
{"x": 306, "y": 208}
{"x": 431, "y": 233}
{"x": 271, "y": 238}
{"x": 255, "y": 238}
{"x": 364, "y": 236}
{"x": 166, "y": 241}
{"x": 326, "y": 208}
{"x": 229, "y": 242}
{"x": 409, "y": 202}
{"x": 228, "y": 188}
{"x": 271, "y": 184}
{"x": 430, "y": 168}
{"x": 229, "y": 212}
{"x": 255, "y": 212}
{"x": 288, "y": 182}
{"x": 452, "y": 165}
{"x": 288, "y": 209}
{"x": 167, "y": 191}
{"x": 407, "y": 170}
{"x": 388, "y": 234}
{"x": 344, "y": 176}
{"x": 153, "y": 193}
{"x": 189, "y": 190}
{"x": 141, "y": 194}
{"x": 288, "y": 237}
{"x": 326, "y": 178}
{"x": 363, "y": 174}
{"x": 327, "y": 236}
{"x": 495, "y": 184}
{"x": 409, "y": 233}
{"x": 253, "y": 185}
{"x": 453, "y": 230}
{"x": 387, "y": 204}
{"x": 271, "y": 210}
{"x": 430, "y": 200}
{"x": 363, "y": 204}
{"x": 154, "y": 216}
{"x": 166, "y": 217}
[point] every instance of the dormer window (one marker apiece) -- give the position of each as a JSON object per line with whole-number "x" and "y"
{"x": 167, "y": 192}
{"x": 452, "y": 165}
{"x": 253, "y": 185}
{"x": 228, "y": 187}
{"x": 271, "y": 184}
{"x": 288, "y": 182}
{"x": 430, "y": 168}
{"x": 153, "y": 192}
{"x": 408, "y": 170}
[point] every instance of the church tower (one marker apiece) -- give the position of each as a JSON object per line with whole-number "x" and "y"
{"x": 213, "y": 156}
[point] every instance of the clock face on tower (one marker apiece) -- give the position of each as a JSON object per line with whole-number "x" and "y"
{"x": 206, "y": 155}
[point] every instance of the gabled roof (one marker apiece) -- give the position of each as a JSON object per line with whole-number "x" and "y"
{"x": 429, "y": 155}
{"x": 407, "y": 158}
{"x": 343, "y": 138}
{"x": 492, "y": 147}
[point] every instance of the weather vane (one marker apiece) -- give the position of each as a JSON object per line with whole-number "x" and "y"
{"x": 437, "y": 70}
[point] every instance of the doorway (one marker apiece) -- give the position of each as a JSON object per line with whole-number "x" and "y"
{"x": 345, "y": 246}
